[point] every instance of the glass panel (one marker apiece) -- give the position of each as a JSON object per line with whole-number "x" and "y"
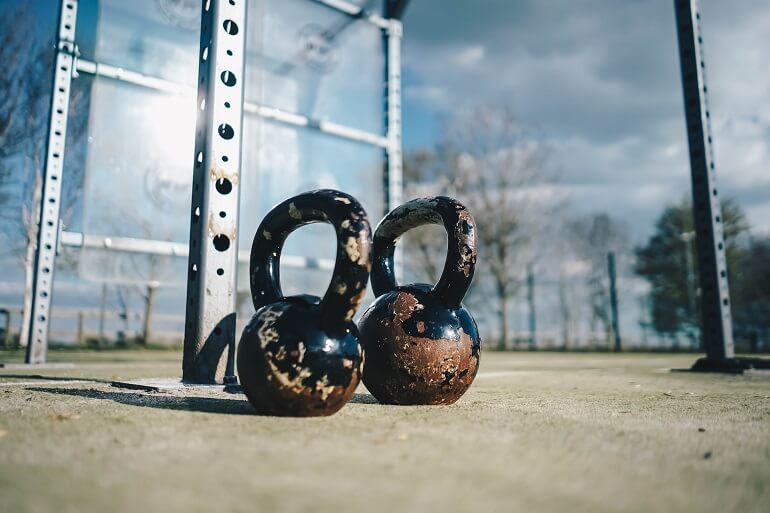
{"x": 140, "y": 149}
{"x": 154, "y": 37}
{"x": 320, "y": 63}
{"x": 138, "y": 179}
{"x": 286, "y": 161}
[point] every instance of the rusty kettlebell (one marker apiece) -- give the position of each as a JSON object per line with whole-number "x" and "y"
{"x": 300, "y": 355}
{"x": 421, "y": 345}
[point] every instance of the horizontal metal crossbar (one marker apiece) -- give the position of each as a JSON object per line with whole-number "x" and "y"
{"x": 72, "y": 312}
{"x": 263, "y": 111}
{"x": 174, "y": 249}
{"x": 326, "y": 127}
{"x": 132, "y": 77}
{"x": 355, "y": 11}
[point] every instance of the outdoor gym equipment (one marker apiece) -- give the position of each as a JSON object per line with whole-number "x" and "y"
{"x": 300, "y": 355}
{"x": 421, "y": 345}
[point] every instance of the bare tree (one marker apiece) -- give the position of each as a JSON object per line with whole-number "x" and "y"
{"x": 498, "y": 167}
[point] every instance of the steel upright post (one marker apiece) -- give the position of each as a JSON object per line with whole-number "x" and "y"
{"x": 531, "y": 304}
{"x": 102, "y": 339}
{"x": 614, "y": 299}
{"x": 393, "y": 172}
{"x": 393, "y": 157}
{"x": 81, "y": 336}
{"x": 209, "y": 339}
{"x": 716, "y": 322}
{"x": 6, "y": 341}
{"x": 48, "y": 216}
{"x": 149, "y": 309}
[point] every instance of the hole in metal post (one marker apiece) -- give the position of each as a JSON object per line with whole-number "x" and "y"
{"x": 224, "y": 186}
{"x": 226, "y": 131}
{"x": 221, "y": 242}
{"x": 230, "y": 27}
{"x": 228, "y": 78}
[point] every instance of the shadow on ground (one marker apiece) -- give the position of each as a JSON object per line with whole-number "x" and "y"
{"x": 159, "y": 400}
{"x": 52, "y": 378}
{"x": 172, "y": 402}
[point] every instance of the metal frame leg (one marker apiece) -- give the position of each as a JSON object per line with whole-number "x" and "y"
{"x": 48, "y": 219}
{"x": 393, "y": 172}
{"x": 393, "y": 157}
{"x": 612, "y": 275}
{"x": 717, "y": 329}
{"x": 209, "y": 340}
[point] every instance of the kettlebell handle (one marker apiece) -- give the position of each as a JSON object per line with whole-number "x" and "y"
{"x": 460, "y": 261}
{"x": 352, "y": 265}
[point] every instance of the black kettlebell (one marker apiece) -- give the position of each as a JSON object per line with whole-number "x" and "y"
{"x": 300, "y": 355}
{"x": 421, "y": 345}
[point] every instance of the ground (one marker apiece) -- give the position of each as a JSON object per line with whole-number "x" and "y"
{"x": 537, "y": 432}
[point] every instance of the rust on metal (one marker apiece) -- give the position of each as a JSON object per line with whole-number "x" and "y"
{"x": 422, "y": 346}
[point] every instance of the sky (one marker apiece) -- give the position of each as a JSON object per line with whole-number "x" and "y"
{"x": 600, "y": 80}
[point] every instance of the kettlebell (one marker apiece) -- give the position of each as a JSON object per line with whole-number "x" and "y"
{"x": 421, "y": 345}
{"x": 300, "y": 355}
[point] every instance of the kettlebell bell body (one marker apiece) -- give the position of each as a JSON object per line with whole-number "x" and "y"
{"x": 300, "y": 355}
{"x": 422, "y": 346}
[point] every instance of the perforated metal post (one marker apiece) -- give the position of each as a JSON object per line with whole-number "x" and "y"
{"x": 532, "y": 318}
{"x": 715, "y": 295}
{"x": 48, "y": 217}
{"x": 393, "y": 157}
{"x": 612, "y": 274}
{"x": 209, "y": 343}
{"x": 393, "y": 172}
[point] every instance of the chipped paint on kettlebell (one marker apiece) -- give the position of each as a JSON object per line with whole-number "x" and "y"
{"x": 300, "y": 355}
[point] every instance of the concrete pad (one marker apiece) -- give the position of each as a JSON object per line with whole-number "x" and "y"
{"x": 536, "y": 432}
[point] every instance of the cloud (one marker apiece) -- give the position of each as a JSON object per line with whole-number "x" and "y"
{"x": 433, "y": 96}
{"x": 470, "y": 56}
{"x": 601, "y": 81}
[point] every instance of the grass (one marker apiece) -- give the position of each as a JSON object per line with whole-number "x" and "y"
{"x": 549, "y": 432}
